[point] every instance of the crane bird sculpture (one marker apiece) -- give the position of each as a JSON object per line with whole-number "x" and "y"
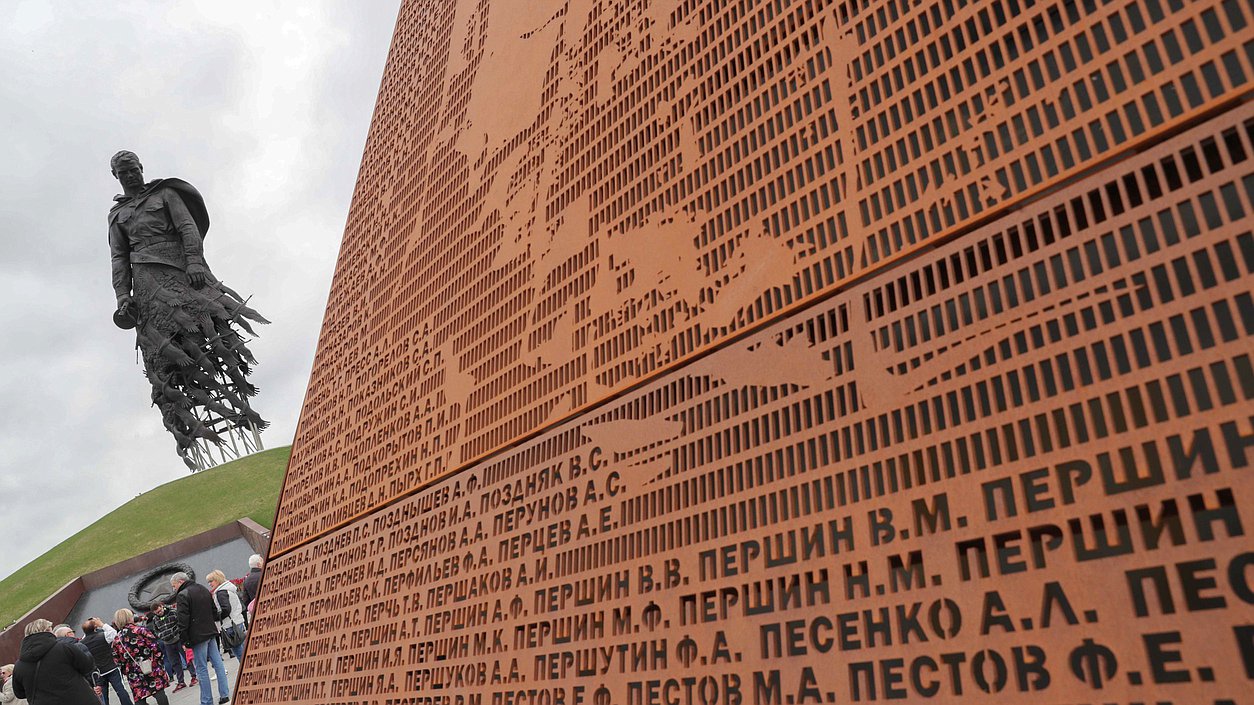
{"x": 189, "y": 327}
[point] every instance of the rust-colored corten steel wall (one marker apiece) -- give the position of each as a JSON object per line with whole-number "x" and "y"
{"x": 735, "y": 352}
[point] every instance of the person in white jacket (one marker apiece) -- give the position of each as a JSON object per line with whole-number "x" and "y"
{"x": 6, "y": 693}
{"x": 230, "y": 612}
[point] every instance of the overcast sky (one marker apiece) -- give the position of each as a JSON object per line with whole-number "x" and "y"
{"x": 264, "y": 106}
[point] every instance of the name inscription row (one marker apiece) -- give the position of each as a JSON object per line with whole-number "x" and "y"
{"x": 1044, "y": 505}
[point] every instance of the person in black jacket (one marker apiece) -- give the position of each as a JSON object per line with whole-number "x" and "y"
{"x": 50, "y": 672}
{"x": 97, "y": 640}
{"x": 65, "y": 633}
{"x": 252, "y": 581}
{"x": 198, "y": 629}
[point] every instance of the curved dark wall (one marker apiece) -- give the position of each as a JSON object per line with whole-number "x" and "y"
{"x": 62, "y": 604}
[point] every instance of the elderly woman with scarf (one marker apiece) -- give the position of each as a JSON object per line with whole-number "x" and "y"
{"x": 230, "y": 608}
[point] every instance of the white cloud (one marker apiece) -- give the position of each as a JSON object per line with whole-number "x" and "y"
{"x": 265, "y": 107}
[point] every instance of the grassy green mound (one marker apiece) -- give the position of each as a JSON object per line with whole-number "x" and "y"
{"x": 248, "y": 487}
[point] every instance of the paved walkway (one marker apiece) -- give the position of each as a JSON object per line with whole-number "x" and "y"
{"x": 191, "y": 696}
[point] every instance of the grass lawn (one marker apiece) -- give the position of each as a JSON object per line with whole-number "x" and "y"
{"x": 248, "y": 487}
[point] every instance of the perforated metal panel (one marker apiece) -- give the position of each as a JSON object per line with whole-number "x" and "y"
{"x": 729, "y": 352}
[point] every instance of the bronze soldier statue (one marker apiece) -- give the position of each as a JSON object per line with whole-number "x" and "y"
{"x": 187, "y": 323}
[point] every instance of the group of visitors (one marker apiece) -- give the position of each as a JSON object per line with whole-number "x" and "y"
{"x": 148, "y": 652}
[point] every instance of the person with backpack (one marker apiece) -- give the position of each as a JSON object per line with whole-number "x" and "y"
{"x": 51, "y": 672}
